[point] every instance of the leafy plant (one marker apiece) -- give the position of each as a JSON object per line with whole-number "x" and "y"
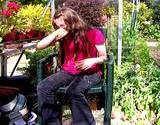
{"x": 140, "y": 54}
{"x": 32, "y": 64}
{"x": 152, "y": 31}
{"x": 144, "y": 13}
{"x": 136, "y": 89}
{"x": 156, "y": 12}
{"x": 7, "y": 15}
{"x": 29, "y": 17}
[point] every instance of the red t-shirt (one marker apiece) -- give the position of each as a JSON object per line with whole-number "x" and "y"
{"x": 95, "y": 37}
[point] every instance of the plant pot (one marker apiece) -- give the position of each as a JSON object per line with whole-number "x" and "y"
{"x": 10, "y": 37}
{"x": 40, "y": 34}
{"x": 21, "y": 36}
{"x": 31, "y": 34}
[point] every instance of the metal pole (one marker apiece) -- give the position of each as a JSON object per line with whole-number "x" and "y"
{"x": 3, "y": 65}
{"x": 120, "y": 14}
{"x": 17, "y": 63}
{"x": 52, "y": 8}
{"x": 46, "y": 8}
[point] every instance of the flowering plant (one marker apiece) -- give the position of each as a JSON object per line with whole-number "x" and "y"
{"x": 6, "y": 17}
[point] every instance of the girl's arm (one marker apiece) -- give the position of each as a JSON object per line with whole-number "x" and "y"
{"x": 46, "y": 41}
{"x": 102, "y": 55}
{"x": 89, "y": 62}
{"x": 53, "y": 37}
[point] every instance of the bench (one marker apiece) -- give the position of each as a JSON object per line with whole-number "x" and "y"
{"x": 104, "y": 90}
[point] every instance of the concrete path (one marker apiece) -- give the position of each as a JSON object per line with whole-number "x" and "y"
{"x": 11, "y": 63}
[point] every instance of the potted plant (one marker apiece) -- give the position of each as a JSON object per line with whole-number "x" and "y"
{"x": 30, "y": 23}
{"x": 7, "y": 14}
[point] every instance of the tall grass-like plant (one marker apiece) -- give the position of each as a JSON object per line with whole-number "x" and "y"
{"x": 129, "y": 38}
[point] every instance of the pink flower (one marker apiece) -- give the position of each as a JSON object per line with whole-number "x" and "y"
{"x": 6, "y": 13}
{"x": 13, "y": 6}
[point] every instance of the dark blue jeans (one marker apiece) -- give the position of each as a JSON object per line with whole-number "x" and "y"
{"x": 76, "y": 88}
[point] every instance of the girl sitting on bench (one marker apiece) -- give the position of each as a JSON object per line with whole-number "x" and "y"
{"x": 84, "y": 50}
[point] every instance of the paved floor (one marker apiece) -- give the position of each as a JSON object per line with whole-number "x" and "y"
{"x": 11, "y": 61}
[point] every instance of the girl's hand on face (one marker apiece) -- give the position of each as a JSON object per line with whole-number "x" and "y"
{"x": 85, "y": 64}
{"x": 60, "y": 33}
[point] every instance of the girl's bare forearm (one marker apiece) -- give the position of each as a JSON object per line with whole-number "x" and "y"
{"x": 45, "y": 42}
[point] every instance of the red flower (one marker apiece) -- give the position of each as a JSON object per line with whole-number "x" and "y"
{"x": 6, "y": 13}
{"x": 13, "y": 6}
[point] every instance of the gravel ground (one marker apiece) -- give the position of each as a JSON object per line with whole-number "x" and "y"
{"x": 98, "y": 115}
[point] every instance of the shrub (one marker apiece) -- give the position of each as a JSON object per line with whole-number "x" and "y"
{"x": 7, "y": 15}
{"x": 140, "y": 54}
{"x": 136, "y": 90}
{"x": 144, "y": 13}
{"x": 29, "y": 17}
{"x": 156, "y": 12}
{"x": 90, "y": 10}
{"x": 152, "y": 31}
{"x": 32, "y": 64}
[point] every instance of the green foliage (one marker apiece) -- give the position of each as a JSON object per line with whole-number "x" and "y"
{"x": 33, "y": 58}
{"x": 158, "y": 122}
{"x": 152, "y": 31}
{"x": 144, "y": 13}
{"x": 148, "y": 19}
{"x": 29, "y": 17}
{"x": 156, "y": 12}
{"x": 137, "y": 89}
{"x": 140, "y": 54}
{"x": 129, "y": 37}
{"x": 7, "y": 15}
{"x": 129, "y": 34}
{"x": 127, "y": 8}
{"x": 158, "y": 46}
{"x": 4, "y": 28}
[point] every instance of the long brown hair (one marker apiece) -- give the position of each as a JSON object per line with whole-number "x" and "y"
{"x": 76, "y": 27}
